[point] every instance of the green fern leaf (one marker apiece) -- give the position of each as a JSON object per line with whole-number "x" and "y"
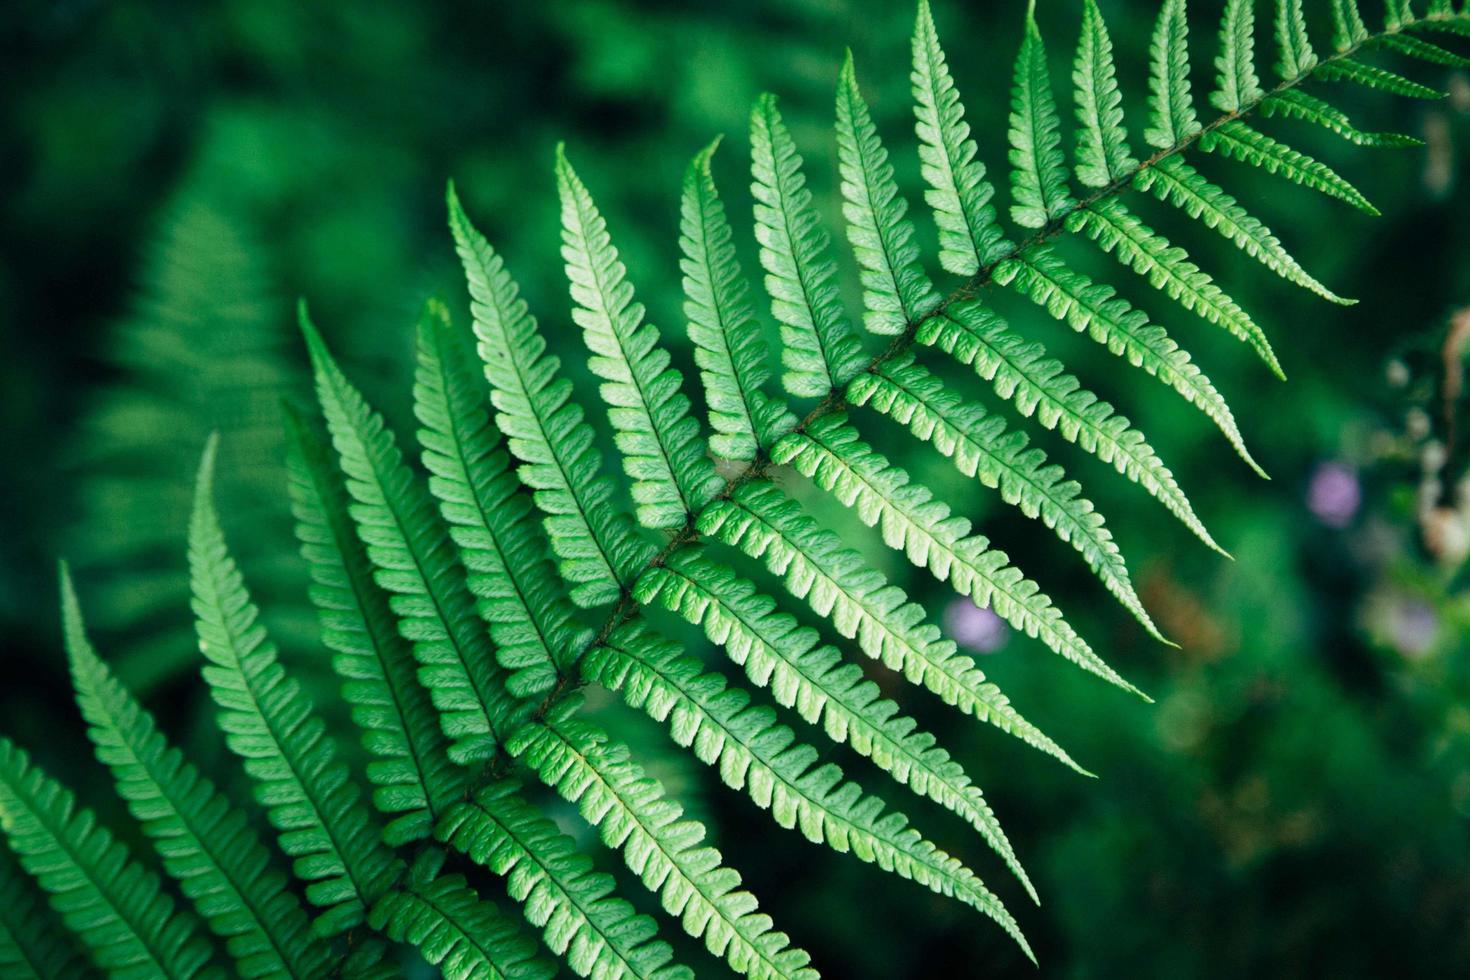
{"x": 914, "y": 522}
{"x": 1349, "y": 31}
{"x": 597, "y": 547}
{"x": 722, "y": 324}
{"x": 599, "y": 933}
{"x": 452, "y": 621}
{"x": 1176, "y": 182}
{"x": 979, "y": 446}
{"x": 1371, "y": 76}
{"x": 33, "y": 944}
{"x": 1119, "y": 231}
{"x": 1038, "y": 168}
{"x": 1293, "y": 47}
{"x": 201, "y": 347}
{"x": 818, "y": 349}
{"x": 206, "y": 844}
{"x": 662, "y": 450}
{"x": 1237, "y": 85}
{"x": 896, "y": 291}
{"x": 762, "y": 757}
{"x": 468, "y": 939}
{"x": 405, "y": 540}
{"x": 270, "y": 723}
{"x": 630, "y": 810}
{"x": 1095, "y": 308}
{"x": 494, "y": 526}
{"x": 1103, "y": 154}
{"x": 1397, "y": 14}
{"x": 1441, "y": 18}
{"x": 811, "y": 677}
{"x": 114, "y": 905}
{"x": 1236, "y": 139}
{"x": 859, "y": 602}
{"x": 958, "y": 193}
{"x": 1040, "y": 388}
{"x": 370, "y": 958}
{"x": 413, "y": 778}
{"x": 1422, "y": 50}
{"x": 1172, "y": 119}
{"x": 1296, "y": 104}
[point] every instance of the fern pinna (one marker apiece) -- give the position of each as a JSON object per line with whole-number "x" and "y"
{"x": 465, "y": 612}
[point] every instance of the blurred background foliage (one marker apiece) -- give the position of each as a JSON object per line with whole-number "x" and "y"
{"x": 1298, "y": 800}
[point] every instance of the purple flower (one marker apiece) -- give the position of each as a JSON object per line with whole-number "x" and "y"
{"x": 1414, "y": 627}
{"x": 1334, "y": 494}
{"x": 974, "y": 627}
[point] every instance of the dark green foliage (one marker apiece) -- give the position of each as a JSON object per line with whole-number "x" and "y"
{"x": 466, "y": 612}
{"x": 113, "y": 904}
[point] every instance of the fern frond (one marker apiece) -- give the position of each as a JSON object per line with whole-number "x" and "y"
{"x": 1120, "y": 232}
{"x": 597, "y": 547}
{"x": 896, "y": 291}
{"x": 663, "y": 453}
{"x": 413, "y": 777}
{"x": 913, "y": 522}
{"x": 762, "y": 757}
{"x": 818, "y": 349}
{"x": 632, "y": 814}
{"x": 1096, "y": 309}
{"x": 1296, "y": 104}
{"x": 1441, "y": 18}
{"x": 1349, "y": 31}
{"x": 812, "y": 678}
{"x": 1039, "y": 192}
{"x": 370, "y": 958}
{"x": 270, "y": 723}
{"x": 202, "y": 346}
{"x": 1293, "y": 47}
{"x": 860, "y": 603}
{"x": 1237, "y": 85}
{"x": 599, "y": 934}
{"x": 1397, "y": 14}
{"x": 1371, "y": 76}
{"x": 722, "y": 324}
{"x": 33, "y": 944}
{"x": 958, "y": 193}
{"x": 1172, "y": 118}
{"x": 1103, "y": 154}
{"x": 1237, "y": 140}
{"x": 979, "y": 446}
{"x": 1176, "y": 182}
{"x": 452, "y": 620}
{"x": 531, "y": 623}
{"x": 1422, "y": 50}
{"x": 1039, "y": 387}
{"x": 453, "y": 929}
{"x": 114, "y": 905}
{"x": 205, "y": 843}
{"x": 396, "y": 521}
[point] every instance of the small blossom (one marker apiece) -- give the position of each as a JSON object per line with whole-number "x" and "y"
{"x": 1334, "y": 494}
{"x": 974, "y": 627}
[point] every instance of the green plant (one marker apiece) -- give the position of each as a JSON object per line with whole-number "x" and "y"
{"x": 457, "y": 609}
{"x": 204, "y": 348}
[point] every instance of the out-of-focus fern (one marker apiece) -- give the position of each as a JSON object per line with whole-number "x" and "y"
{"x": 205, "y": 348}
{"x": 467, "y": 612}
